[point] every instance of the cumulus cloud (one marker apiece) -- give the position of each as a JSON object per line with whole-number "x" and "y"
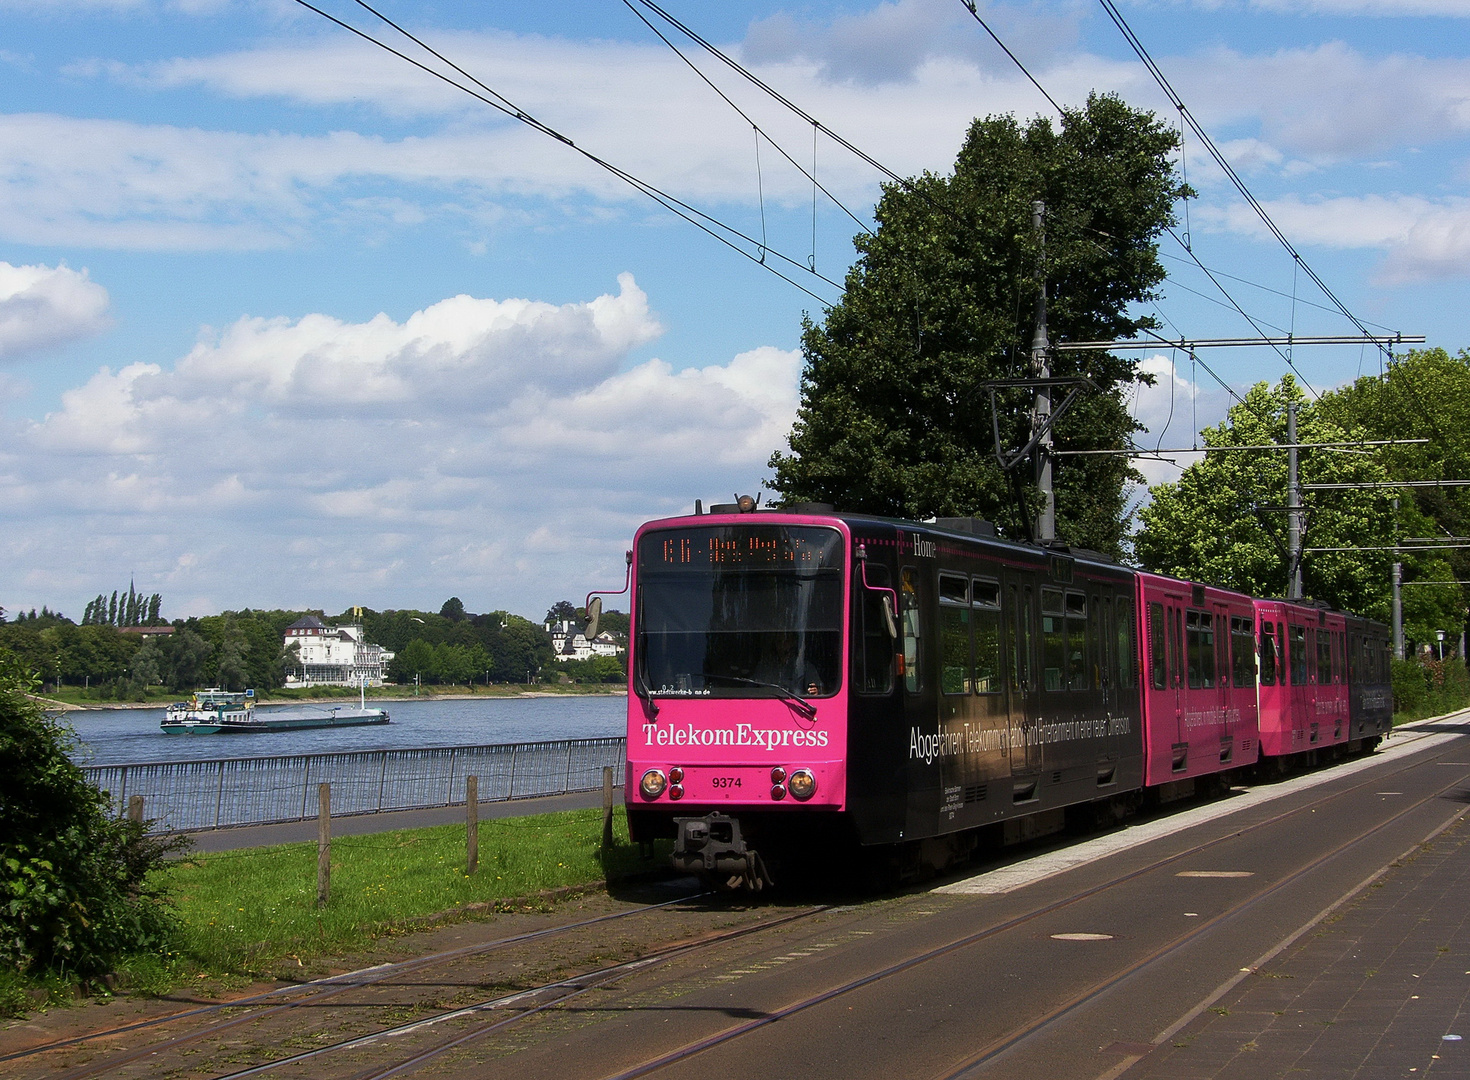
{"x": 1330, "y": 102}
{"x": 1421, "y": 238}
{"x": 500, "y": 450}
{"x": 1169, "y": 412}
{"x": 41, "y": 306}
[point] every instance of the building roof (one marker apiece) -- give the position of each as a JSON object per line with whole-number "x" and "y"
{"x": 309, "y": 622}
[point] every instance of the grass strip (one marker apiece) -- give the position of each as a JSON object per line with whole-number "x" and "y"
{"x": 254, "y": 912}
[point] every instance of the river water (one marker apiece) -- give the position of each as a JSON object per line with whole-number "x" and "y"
{"x": 128, "y": 736}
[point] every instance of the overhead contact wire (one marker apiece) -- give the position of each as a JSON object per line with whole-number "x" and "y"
{"x": 1148, "y": 61}
{"x": 504, "y": 105}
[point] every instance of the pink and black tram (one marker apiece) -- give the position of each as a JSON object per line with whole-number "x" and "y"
{"x": 806, "y": 681}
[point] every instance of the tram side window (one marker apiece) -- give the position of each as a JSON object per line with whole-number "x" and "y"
{"x": 1298, "y": 644}
{"x": 908, "y": 599}
{"x": 1354, "y": 660}
{"x": 1053, "y": 641}
{"x": 1200, "y": 635}
{"x": 954, "y": 634}
{"x": 1077, "y": 641}
{"x": 1176, "y": 641}
{"x": 985, "y": 600}
{"x": 1158, "y": 665}
{"x": 1021, "y": 640}
{"x": 1324, "y": 656}
{"x": 1127, "y": 650}
{"x": 1242, "y": 651}
{"x": 876, "y": 655}
{"x": 1222, "y": 649}
{"x": 1268, "y": 654}
{"x": 1099, "y": 636}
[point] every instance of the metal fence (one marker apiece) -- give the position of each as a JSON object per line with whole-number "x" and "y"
{"x": 191, "y": 795}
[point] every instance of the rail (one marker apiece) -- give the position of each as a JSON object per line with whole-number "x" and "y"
{"x": 189, "y": 796}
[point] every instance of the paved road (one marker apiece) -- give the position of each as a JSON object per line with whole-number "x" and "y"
{"x": 1312, "y": 928}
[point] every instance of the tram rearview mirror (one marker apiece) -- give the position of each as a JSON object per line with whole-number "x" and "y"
{"x": 594, "y": 613}
{"x": 889, "y": 622}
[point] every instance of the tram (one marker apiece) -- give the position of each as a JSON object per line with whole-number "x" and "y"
{"x": 811, "y": 684}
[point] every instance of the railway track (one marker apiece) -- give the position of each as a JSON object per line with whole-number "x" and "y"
{"x": 312, "y": 993}
{"x": 969, "y": 1067}
{"x": 488, "y": 1016}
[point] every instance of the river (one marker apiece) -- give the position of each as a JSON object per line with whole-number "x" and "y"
{"x": 128, "y": 736}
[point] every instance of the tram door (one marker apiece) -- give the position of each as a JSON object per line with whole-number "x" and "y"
{"x": 1023, "y": 701}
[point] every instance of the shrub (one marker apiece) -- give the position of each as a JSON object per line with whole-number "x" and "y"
{"x": 1429, "y": 687}
{"x": 75, "y": 892}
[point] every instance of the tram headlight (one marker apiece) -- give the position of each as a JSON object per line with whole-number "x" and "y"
{"x": 802, "y": 784}
{"x": 653, "y": 783}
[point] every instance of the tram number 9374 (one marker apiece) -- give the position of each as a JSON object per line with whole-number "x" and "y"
{"x": 726, "y": 782}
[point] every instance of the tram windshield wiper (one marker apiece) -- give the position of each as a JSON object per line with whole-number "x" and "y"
{"x": 791, "y": 697}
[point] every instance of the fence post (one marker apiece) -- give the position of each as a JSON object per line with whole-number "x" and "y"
{"x": 566, "y": 780}
{"x": 382, "y": 779}
{"x": 472, "y": 823}
{"x": 219, "y": 798}
{"x": 135, "y": 808}
{"x": 323, "y": 843}
{"x": 607, "y": 807}
{"x": 449, "y": 792}
{"x": 122, "y": 795}
{"x": 510, "y": 789}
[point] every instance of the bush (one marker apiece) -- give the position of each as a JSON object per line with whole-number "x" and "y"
{"x": 75, "y": 892}
{"x": 1429, "y": 688}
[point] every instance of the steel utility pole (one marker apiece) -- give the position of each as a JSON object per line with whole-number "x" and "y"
{"x": 1046, "y": 522}
{"x": 1398, "y": 598}
{"x": 1293, "y": 511}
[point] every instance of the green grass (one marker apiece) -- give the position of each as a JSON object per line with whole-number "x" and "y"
{"x": 254, "y": 912}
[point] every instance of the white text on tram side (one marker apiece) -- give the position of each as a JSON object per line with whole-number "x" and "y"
{"x": 739, "y": 735}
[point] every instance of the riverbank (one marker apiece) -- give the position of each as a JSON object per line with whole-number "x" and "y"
{"x": 72, "y": 704}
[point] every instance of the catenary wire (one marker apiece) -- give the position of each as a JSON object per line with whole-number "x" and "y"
{"x": 970, "y": 6}
{"x": 1148, "y": 61}
{"x": 700, "y": 220}
{"x": 761, "y": 132}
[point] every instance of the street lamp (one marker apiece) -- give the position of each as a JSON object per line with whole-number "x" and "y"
{"x": 1440, "y": 635}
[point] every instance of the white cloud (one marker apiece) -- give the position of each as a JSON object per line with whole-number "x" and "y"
{"x": 1421, "y": 238}
{"x": 1172, "y": 412}
{"x": 42, "y": 306}
{"x": 1327, "y": 102}
{"x": 499, "y": 450}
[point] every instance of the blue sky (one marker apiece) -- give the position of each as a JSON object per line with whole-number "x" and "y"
{"x": 284, "y": 321}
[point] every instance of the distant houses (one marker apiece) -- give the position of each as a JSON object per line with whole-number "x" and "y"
{"x": 333, "y": 655}
{"x": 570, "y": 644}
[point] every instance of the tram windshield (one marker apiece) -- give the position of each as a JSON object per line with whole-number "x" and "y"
{"x": 740, "y": 611}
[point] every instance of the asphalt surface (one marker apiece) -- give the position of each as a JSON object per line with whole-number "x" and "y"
{"x": 248, "y": 836}
{"x": 1276, "y": 934}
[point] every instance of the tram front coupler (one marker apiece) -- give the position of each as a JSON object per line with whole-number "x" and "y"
{"x": 713, "y": 847}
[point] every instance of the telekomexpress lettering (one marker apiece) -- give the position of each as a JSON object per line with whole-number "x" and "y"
{"x": 740, "y": 735}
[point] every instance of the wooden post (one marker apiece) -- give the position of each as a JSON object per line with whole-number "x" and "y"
{"x": 135, "y": 808}
{"x": 472, "y": 823}
{"x": 607, "y": 807}
{"x": 323, "y": 843}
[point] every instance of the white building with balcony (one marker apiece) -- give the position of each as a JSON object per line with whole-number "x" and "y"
{"x": 333, "y": 655}
{"x": 571, "y": 644}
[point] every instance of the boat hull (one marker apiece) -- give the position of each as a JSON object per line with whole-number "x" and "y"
{"x": 305, "y": 721}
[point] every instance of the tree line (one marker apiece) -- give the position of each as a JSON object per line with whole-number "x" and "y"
{"x": 246, "y": 648}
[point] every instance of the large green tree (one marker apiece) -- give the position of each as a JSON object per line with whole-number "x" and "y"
{"x": 893, "y": 416}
